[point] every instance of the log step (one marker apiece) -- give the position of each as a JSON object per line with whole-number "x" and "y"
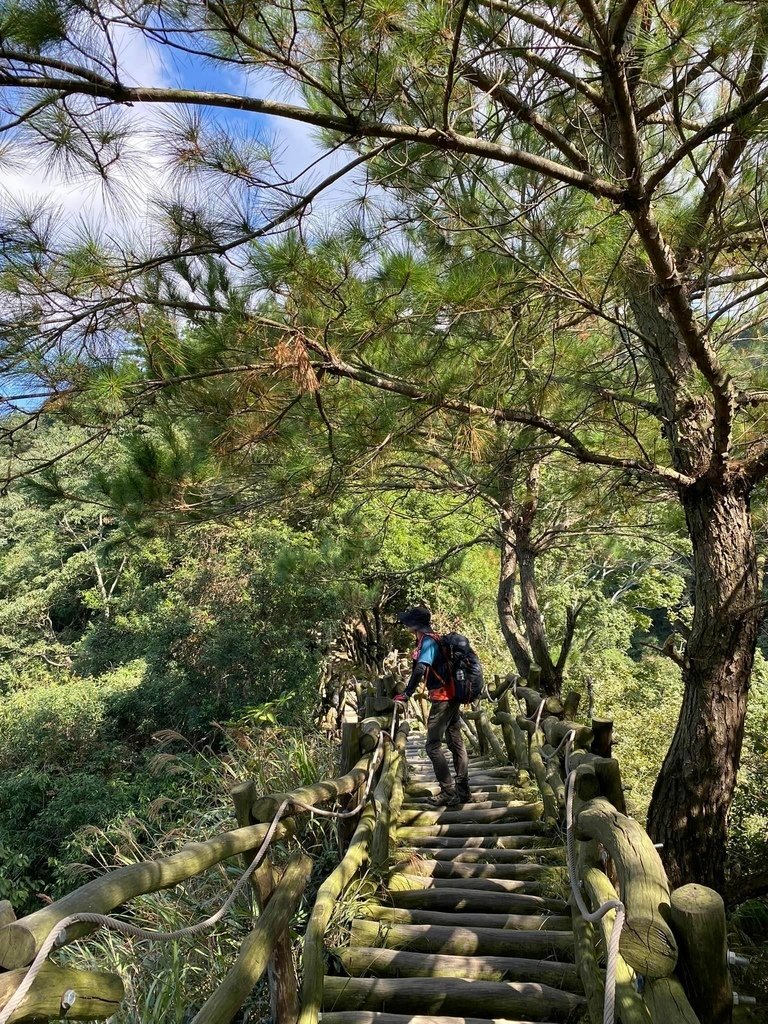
{"x": 387, "y": 963}
{"x": 432, "y": 938}
{"x": 505, "y": 828}
{"x": 455, "y": 869}
{"x": 489, "y": 842}
{"x": 402, "y": 881}
{"x": 523, "y": 921}
{"x": 372, "y": 1017}
{"x": 422, "y": 789}
{"x": 452, "y": 996}
{"x": 517, "y": 810}
{"x": 485, "y": 855}
{"x": 423, "y": 804}
{"x": 494, "y": 776}
{"x": 476, "y": 901}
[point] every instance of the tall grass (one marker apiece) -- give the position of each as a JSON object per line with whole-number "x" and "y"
{"x": 167, "y": 982}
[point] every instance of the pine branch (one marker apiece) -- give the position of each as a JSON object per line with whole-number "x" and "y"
{"x": 353, "y": 128}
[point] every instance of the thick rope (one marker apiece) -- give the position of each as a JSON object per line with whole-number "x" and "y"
{"x": 609, "y": 1006}
{"x": 57, "y": 935}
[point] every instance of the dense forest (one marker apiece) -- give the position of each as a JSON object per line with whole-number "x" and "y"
{"x": 312, "y": 311}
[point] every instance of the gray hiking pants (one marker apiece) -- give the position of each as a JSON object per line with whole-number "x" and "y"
{"x": 443, "y": 724}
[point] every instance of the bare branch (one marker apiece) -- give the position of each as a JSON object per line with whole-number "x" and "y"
{"x": 500, "y": 92}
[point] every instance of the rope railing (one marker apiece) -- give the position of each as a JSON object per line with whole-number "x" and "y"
{"x": 651, "y": 937}
{"x": 31, "y": 940}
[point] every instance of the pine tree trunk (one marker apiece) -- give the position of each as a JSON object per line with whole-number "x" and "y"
{"x": 693, "y": 793}
{"x": 505, "y": 600}
{"x": 551, "y": 676}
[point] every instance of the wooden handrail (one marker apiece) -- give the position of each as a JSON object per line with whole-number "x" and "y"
{"x": 20, "y": 940}
{"x": 374, "y": 831}
{"x": 652, "y": 932}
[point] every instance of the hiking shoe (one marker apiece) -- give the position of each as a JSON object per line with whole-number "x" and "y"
{"x": 464, "y": 796}
{"x": 444, "y": 800}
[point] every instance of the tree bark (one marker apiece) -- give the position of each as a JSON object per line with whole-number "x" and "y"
{"x": 551, "y": 674}
{"x": 693, "y": 793}
{"x": 505, "y": 599}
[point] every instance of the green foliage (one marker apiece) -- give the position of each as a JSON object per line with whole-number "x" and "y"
{"x": 33, "y": 24}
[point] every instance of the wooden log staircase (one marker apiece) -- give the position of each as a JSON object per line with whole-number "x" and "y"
{"x": 472, "y": 915}
{"x": 474, "y": 923}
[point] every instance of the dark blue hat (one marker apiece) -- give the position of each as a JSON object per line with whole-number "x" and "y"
{"x": 415, "y": 618}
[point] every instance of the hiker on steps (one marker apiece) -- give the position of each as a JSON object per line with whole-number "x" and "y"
{"x": 430, "y": 664}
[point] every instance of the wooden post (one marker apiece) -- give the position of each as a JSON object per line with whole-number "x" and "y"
{"x": 647, "y": 942}
{"x": 485, "y": 729}
{"x": 698, "y": 921}
{"x": 350, "y": 746}
{"x": 534, "y": 677}
{"x": 327, "y": 896}
{"x": 629, "y": 1004}
{"x": 506, "y": 729}
{"x": 251, "y": 962}
{"x": 602, "y": 742}
{"x": 539, "y": 769}
{"x": 667, "y": 1002}
{"x": 379, "y": 854}
{"x": 571, "y": 704}
{"x": 283, "y": 983}
{"x": 588, "y": 966}
{"x": 98, "y": 994}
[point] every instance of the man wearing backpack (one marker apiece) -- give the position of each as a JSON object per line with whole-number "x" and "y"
{"x": 431, "y": 664}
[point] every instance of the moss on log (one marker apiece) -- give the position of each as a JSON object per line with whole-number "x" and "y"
{"x": 386, "y": 963}
{"x": 98, "y": 994}
{"x": 647, "y": 942}
{"x": 630, "y": 1008}
{"x": 518, "y": 810}
{"x": 20, "y": 940}
{"x": 667, "y": 1002}
{"x": 381, "y": 799}
{"x": 432, "y": 842}
{"x": 532, "y": 698}
{"x": 484, "y": 726}
{"x": 313, "y": 958}
{"x": 539, "y": 854}
{"x": 608, "y": 774}
{"x": 319, "y": 793}
{"x": 256, "y": 949}
{"x": 555, "y": 730}
{"x": 401, "y": 882}
{"x": 451, "y": 995}
{"x": 373, "y": 1017}
{"x": 505, "y": 709}
{"x": 529, "y": 825}
{"x": 698, "y": 921}
{"x": 588, "y": 967}
{"x": 457, "y": 869}
{"x": 540, "y": 772}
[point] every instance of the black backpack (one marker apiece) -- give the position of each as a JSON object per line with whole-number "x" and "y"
{"x": 466, "y": 670}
